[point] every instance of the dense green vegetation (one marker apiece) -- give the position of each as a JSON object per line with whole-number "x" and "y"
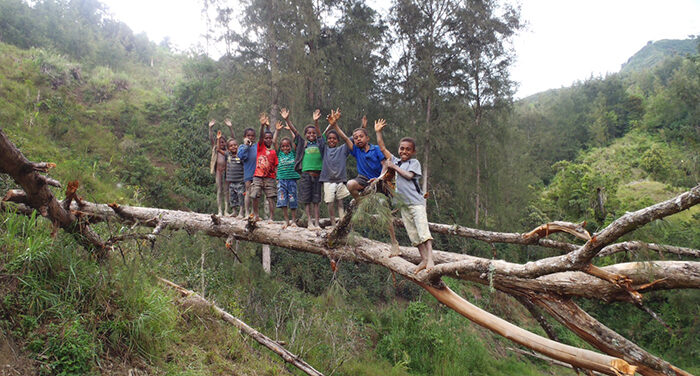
{"x": 127, "y": 119}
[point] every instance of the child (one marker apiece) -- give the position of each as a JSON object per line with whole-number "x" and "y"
{"x": 334, "y": 172}
{"x": 286, "y": 177}
{"x": 217, "y": 164}
{"x": 234, "y": 176}
{"x": 408, "y": 174}
{"x": 308, "y": 162}
{"x": 371, "y": 164}
{"x": 265, "y": 170}
{"x": 248, "y": 155}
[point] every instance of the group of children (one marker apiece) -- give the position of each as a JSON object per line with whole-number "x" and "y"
{"x": 301, "y": 167}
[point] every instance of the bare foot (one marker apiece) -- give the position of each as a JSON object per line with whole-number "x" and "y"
{"x": 430, "y": 264}
{"x": 219, "y": 213}
{"x": 420, "y": 267}
{"x": 285, "y": 226}
{"x": 395, "y": 251}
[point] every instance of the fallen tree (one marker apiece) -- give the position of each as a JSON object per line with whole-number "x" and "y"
{"x": 548, "y": 283}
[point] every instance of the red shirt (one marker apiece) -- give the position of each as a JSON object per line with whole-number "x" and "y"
{"x": 266, "y": 163}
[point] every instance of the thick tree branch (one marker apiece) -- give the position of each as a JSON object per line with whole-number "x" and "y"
{"x": 40, "y": 197}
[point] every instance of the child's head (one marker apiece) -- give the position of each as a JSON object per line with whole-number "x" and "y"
{"x": 267, "y": 139}
{"x": 310, "y": 132}
{"x": 360, "y": 137}
{"x": 249, "y": 133}
{"x": 232, "y": 145}
{"x": 286, "y": 145}
{"x": 332, "y": 138}
{"x": 222, "y": 143}
{"x": 407, "y": 148}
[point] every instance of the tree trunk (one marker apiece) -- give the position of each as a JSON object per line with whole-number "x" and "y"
{"x": 266, "y": 258}
{"x": 426, "y": 157}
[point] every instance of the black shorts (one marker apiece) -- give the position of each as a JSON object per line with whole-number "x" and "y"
{"x": 381, "y": 186}
{"x": 310, "y": 188}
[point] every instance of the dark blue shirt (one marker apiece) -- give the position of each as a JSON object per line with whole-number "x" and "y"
{"x": 369, "y": 163}
{"x": 249, "y": 155}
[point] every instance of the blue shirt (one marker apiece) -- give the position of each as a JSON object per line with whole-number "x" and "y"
{"x": 369, "y": 163}
{"x": 249, "y": 155}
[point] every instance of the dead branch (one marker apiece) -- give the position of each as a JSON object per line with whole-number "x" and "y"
{"x": 262, "y": 339}
{"x": 635, "y": 246}
{"x": 546, "y": 229}
{"x": 40, "y": 197}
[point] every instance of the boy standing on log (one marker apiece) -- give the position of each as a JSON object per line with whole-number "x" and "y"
{"x": 286, "y": 177}
{"x": 408, "y": 173}
{"x": 217, "y": 164}
{"x": 308, "y": 162}
{"x": 265, "y": 169}
{"x": 234, "y": 176}
{"x": 248, "y": 154}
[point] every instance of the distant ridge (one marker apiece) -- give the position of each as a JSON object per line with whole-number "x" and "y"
{"x": 655, "y": 52}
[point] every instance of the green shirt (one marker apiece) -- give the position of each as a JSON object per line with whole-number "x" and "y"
{"x": 313, "y": 160}
{"x": 285, "y": 168}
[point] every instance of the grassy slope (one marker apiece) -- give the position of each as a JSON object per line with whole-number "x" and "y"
{"x": 65, "y": 314}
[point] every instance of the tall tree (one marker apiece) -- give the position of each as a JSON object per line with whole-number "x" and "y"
{"x": 482, "y": 34}
{"x": 423, "y": 31}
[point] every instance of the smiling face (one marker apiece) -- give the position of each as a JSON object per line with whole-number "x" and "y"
{"x": 286, "y": 146}
{"x": 407, "y": 150}
{"x": 360, "y": 138}
{"x": 233, "y": 146}
{"x": 267, "y": 139}
{"x": 310, "y": 133}
{"x": 332, "y": 140}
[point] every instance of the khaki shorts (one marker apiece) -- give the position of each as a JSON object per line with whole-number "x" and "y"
{"x": 334, "y": 191}
{"x": 415, "y": 219}
{"x": 265, "y": 185}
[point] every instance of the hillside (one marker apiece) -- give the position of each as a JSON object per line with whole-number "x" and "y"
{"x": 657, "y": 51}
{"x": 127, "y": 119}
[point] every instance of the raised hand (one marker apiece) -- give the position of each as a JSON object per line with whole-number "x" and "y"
{"x": 211, "y": 123}
{"x": 379, "y": 124}
{"x": 279, "y": 125}
{"x": 317, "y": 114}
{"x": 284, "y": 112}
{"x": 218, "y": 135}
{"x": 364, "y": 121}
{"x": 264, "y": 119}
{"x": 227, "y": 121}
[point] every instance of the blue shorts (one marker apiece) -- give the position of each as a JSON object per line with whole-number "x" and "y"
{"x": 287, "y": 193}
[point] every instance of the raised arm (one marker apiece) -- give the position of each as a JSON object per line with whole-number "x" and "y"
{"x": 264, "y": 121}
{"x": 285, "y": 115}
{"x": 316, "y": 115}
{"x": 227, "y": 121}
{"x": 333, "y": 121}
{"x": 378, "y": 126}
{"x": 278, "y": 129}
{"x": 364, "y": 122}
{"x": 211, "y": 132}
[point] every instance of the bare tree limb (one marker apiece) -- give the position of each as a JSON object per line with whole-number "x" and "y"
{"x": 40, "y": 197}
{"x": 262, "y": 339}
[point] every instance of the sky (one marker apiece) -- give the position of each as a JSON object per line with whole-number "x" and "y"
{"x": 565, "y": 40}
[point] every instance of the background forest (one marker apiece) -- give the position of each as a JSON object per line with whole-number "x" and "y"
{"x": 127, "y": 118}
